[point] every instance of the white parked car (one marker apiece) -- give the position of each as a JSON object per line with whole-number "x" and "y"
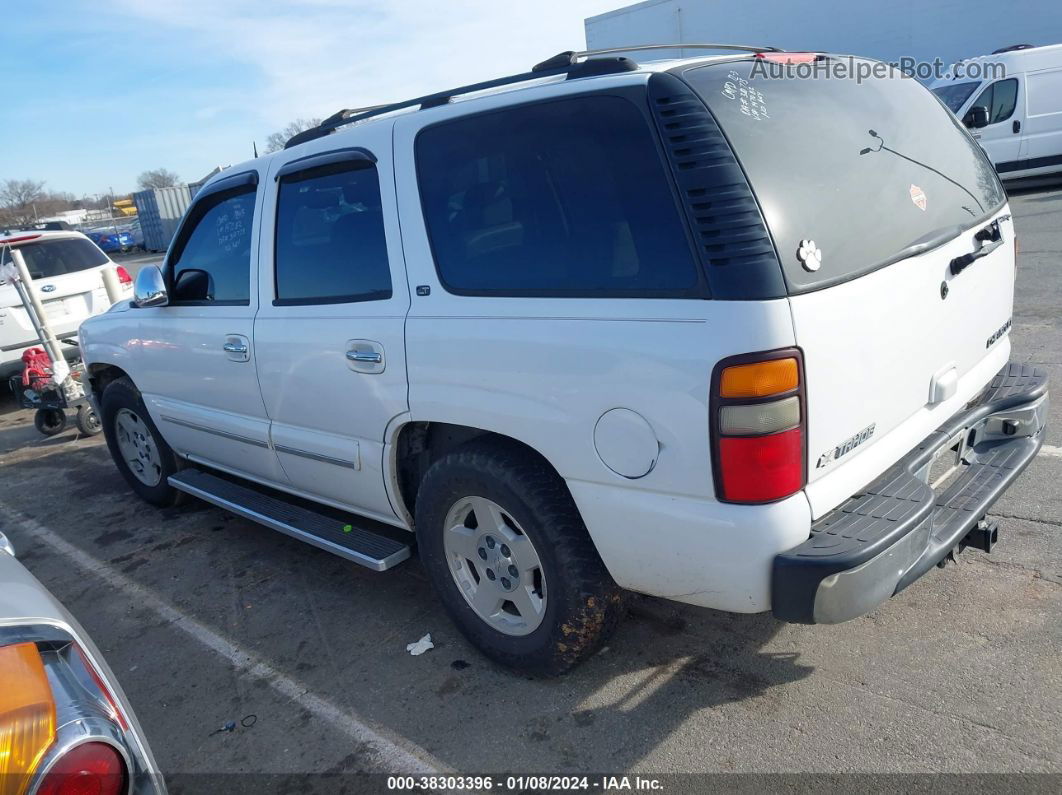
{"x": 1017, "y": 118}
{"x": 65, "y": 267}
{"x": 672, "y": 328}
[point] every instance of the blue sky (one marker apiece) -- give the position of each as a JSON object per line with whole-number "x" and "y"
{"x": 96, "y": 92}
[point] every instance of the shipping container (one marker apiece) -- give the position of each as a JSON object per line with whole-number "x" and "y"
{"x": 160, "y": 211}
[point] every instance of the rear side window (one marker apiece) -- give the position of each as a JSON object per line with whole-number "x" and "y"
{"x": 50, "y": 258}
{"x": 330, "y": 244}
{"x": 1000, "y": 99}
{"x": 212, "y": 262}
{"x": 567, "y": 197}
{"x": 870, "y": 171}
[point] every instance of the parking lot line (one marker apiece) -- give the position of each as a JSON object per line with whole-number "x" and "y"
{"x": 389, "y": 754}
{"x": 1051, "y": 451}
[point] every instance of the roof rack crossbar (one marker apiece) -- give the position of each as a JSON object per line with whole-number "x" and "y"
{"x": 562, "y": 63}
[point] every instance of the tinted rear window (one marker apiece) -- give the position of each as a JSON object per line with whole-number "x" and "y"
{"x": 50, "y": 258}
{"x": 567, "y": 197}
{"x": 866, "y": 169}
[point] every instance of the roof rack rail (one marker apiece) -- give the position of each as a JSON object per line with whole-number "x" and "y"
{"x": 571, "y": 62}
{"x": 570, "y": 57}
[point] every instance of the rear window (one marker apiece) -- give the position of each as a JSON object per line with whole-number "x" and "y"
{"x": 560, "y": 198}
{"x": 870, "y": 171}
{"x": 50, "y": 258}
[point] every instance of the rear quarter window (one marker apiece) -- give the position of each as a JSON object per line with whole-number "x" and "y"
{"x": 865, "y": 170}
{"x": 561, "y": 198}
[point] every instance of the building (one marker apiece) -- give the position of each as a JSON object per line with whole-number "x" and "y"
{"x": 920, "y": 29}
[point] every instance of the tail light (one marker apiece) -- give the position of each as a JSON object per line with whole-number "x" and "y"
{"x": 758, "y": 427}
{"x": 86, "y": 769}
{"x": 123, "y": 276}
{"x": 59, "y": 722}
{"x": 27, "y": 715}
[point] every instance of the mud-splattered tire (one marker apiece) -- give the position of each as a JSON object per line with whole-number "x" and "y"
{"x": 511, "y": 560}
{"x": 134, "y": 441}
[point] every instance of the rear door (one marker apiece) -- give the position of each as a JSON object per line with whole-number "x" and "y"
{"x": 329, "y": 334}
{"x": 871, "y": 189}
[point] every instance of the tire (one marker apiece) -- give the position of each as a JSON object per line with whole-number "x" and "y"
{"x": 50, "y": 421}
{"x": 88, "y": 421}
{"x": 580, "y": 605}
{"x": 156, "y": 461}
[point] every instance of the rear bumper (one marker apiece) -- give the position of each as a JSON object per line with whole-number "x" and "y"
{"x": 891, "y": 533}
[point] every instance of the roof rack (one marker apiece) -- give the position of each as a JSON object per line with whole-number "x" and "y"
{"x": 574, "y": 63}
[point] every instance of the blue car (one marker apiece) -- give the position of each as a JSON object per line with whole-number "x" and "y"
{"x": 112, "y": 242}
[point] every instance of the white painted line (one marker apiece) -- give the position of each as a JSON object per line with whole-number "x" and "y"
{"x": 390, "y": 754}
{"x": 1051, "y": 451}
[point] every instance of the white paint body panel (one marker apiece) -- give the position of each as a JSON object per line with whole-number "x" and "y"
{"x": 873, "y": 345}
{"x": 316, "y": 401}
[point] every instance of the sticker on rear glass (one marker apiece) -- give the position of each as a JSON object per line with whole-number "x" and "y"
{"x": 750, "y": 100}
{"x": 810, "y": 255}
{"x": 918, "y": 196}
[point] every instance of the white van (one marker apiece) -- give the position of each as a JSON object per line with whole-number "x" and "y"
{"x": 1016, "y": 116}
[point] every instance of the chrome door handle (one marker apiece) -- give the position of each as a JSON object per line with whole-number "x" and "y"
{"x": 234, "y": 347}
{"x": 365, "y": 357}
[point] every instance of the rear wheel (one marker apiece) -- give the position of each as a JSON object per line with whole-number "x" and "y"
{"x": 138, "y": 449}
{"x": 511, "y": 559}
{"x": 50, "y": 421}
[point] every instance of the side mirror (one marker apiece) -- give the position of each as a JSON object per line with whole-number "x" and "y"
{"x": 150, "y": 288}
{"x": 976, "y": 117}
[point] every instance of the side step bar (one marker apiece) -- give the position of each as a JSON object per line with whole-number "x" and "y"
{"x": 358, "y": 544}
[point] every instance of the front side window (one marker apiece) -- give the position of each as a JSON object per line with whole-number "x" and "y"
{"x": 567, "y": 197}
{"x": 330, "y": 243}
{"x": 999, "y": 99}
{"x": 212, "y": 263}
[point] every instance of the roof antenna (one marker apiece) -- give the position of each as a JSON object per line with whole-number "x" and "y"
{"x": 254, "y": 145}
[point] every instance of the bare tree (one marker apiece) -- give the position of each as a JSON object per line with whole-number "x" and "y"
{"x": 275, "y": 142}
{"x": 157, "y": 178}
{"x": 17, "y": 197}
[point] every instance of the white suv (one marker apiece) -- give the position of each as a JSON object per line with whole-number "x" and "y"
{"x": 65, "y": 267}
{"x": 674, "y": 328}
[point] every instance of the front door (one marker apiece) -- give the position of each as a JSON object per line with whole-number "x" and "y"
{"x": 194, "y": 358}
{"x": 329, "y": 336}
{"x": 1001, "y": 139}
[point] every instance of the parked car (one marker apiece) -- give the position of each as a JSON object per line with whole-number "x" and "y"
{"x": 65, "y": 722}
{"x": 736, "y": 341}
{"x": 112, "y": 242}
{"x": 1017, "y": 118}
{"x": 65, "y": 267}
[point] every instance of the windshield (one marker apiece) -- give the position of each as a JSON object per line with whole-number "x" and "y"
{"x": 955, "y": 95}
{"x": 861, "y": 168}
{"x": 56, "y": 257}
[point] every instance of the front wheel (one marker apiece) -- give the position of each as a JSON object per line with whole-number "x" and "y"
{"x": 137, "y": 447}
{"x": 88, "y": 421}
{"x": 511, "y": 560}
